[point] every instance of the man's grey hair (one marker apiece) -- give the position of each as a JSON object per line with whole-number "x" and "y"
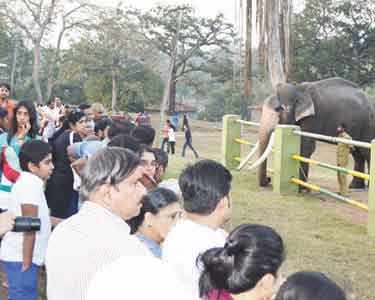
{"x": 110, "y": 165}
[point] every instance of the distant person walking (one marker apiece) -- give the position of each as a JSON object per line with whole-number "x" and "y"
{"x": 164, "y": 133}
{"x": 185, "y": 121}
{"x": 188, "y": 141}
{"x": 171, "y": 139}
{"x": 343, "y": 151}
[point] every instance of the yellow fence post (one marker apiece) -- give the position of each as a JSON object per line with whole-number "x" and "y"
{"x": 371, "y": 194}
{"x": 286, "y": 145}
{"x": 230, "y": 149}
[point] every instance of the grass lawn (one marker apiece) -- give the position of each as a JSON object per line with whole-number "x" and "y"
{"x": 317, "y": 236}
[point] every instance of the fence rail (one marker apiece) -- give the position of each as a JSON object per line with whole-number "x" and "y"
{"x": 248, "y": 123}
{"x": 287, "y": 161}
{"x": 332, "y": 139}
{"x": 327, "y": 192}
{"x": 331, "y": 167}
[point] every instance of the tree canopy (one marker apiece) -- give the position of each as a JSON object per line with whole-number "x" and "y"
{"x": 335, "y": 39}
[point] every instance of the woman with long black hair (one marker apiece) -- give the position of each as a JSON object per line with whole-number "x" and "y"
{"x": 23, "y": 127}
{"x": 59, "y": 190}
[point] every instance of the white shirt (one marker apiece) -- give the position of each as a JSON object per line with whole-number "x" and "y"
{"x": 184, "y": 243}
{"x": 29, "y": 189}
{"x": 138, "y": 278}
{"x": 81, "y": 245}
{"x": 171, "y": 135}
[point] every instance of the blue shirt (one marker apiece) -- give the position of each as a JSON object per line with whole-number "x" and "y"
{"x": 14, "y": 143}
{"x": 153, "y": 246}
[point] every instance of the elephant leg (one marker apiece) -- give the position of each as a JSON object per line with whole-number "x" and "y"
{"x": 359, "y": 166}
{"x": 263, "y": 179}
{"x": 307, "y": 149}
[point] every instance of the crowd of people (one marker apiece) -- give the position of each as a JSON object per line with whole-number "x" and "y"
{"x": 112, "y": 227}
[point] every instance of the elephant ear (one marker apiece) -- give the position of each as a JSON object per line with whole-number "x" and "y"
{"x": 304, "y": 106}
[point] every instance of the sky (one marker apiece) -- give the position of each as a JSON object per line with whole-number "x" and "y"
{"x": 206, "y": 8}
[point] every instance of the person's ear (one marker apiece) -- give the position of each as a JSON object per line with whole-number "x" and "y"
{"x": 106, "y": 193}
{"x": 224, "y": 203}
{"x": 32, "y": 167}
{"x": 266, "y": 286}
{"x": 149, "y": 219}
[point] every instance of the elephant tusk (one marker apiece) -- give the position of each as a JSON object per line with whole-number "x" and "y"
{"x": 248, "y": 157}
{"x": 265, "y": 154}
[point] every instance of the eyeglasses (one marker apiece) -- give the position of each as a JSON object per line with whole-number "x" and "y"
{"x": 146, "y": 163}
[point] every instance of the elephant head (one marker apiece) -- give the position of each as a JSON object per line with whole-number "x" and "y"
{"x": 289, "y": 105}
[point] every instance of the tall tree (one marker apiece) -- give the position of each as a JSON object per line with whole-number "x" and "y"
{"x": 113, "y": 44}
{"x": 248, "y": 49}
{"x": 335, "y": 39}
{"x": 36, "y": 19}
{"x": 196, "y": 38}
{"x": 274, "y": 23}
{"x": 74, "y": 17}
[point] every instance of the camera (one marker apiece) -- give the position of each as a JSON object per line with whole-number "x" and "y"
{"x": 25, "y": 224}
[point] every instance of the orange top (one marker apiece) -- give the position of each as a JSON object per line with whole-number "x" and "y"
{"x": 9, "y": 106}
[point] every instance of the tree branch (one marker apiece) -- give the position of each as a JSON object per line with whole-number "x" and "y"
{"x": 33, "y": 13}
{"x": 18, "y": 23}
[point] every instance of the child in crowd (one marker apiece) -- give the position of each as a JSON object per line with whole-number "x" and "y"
{"x": 22, "y": 254}
{"x": 159, "y": 213}
{"x": 165, "y": 135}
{"x": 171, "y": 139}
{"x": 245, "y": 268}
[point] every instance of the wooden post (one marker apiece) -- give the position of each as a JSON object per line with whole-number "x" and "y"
{"x": 371, "y": 194}
{"x": 230, "y": 149}
{"x": 286, "y": 145}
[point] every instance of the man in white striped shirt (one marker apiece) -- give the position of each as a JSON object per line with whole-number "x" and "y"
{"x": 98, "y": 234}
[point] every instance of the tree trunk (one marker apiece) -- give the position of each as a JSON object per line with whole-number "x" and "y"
{"x": 114, "y": 90}
{"x": 248, "y": 52}
{"x": 14, "y": 65}
{"x": 172, "y": 93}
{"x": 50, "y": 85}
{"x": 261, "y": 20}
{"x": 36, "y": 69}
{"x": 287, "y": 16}
{"x": 274, "y": 59}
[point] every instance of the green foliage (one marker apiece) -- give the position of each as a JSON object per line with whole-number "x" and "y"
{"x": 335, "y": 39}
{"x": 4, "y": 42}
{"x": 224, "y": 99}
{"x": 370, "y": 90}
{"x": 197, "y": 37}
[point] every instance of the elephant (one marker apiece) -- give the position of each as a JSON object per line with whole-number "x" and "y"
{"x": 318, "y": 107}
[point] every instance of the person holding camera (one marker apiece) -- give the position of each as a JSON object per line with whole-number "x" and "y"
{"x": 22, "y": 253}
{"x": 6, "y": 222}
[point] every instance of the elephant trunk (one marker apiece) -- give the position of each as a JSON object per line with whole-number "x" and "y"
{"x": 269, "y": 120}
